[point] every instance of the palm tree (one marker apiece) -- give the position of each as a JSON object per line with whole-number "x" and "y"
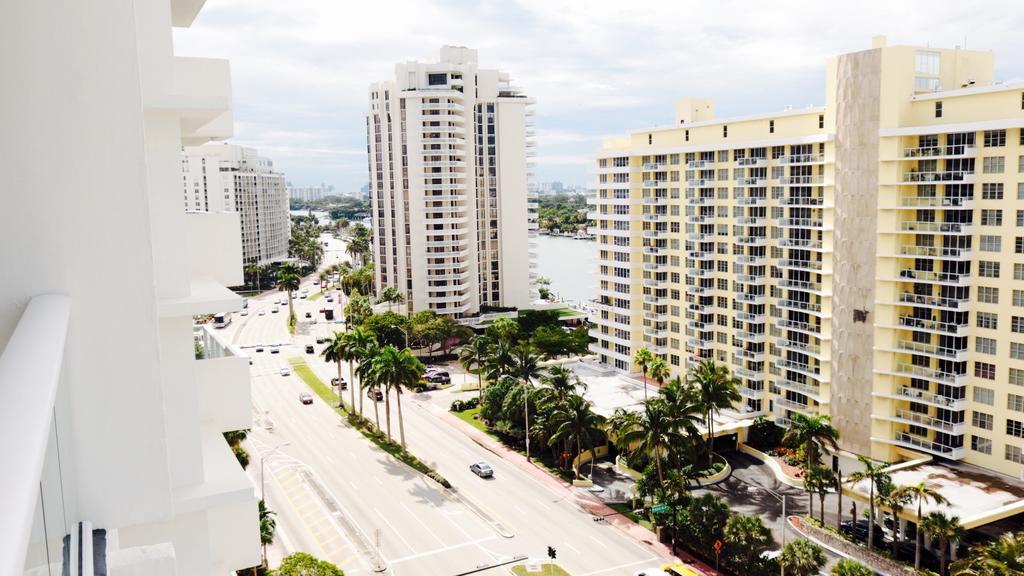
{"x": 920, "y": 492}
{"x": 560, "y": 383}
{"x": 525, "y": 368}
{"x": 394, "y": 368}
{"x": 335, "y": 351}
{"x": 1000, "y": 557}
{"x": 354, "y": 342}
{"x": 942, "y": 528}
{"x": 267, "y": 527}
{"x": 818, "y": 480}
{"x": 500, "y": 359}
{"x": 715, "y": 389}
{"x": 575, "y": 422}
{"x": 802, "y": 558}
{"x": 288, "y": 280}
{"x": 643, "y": 359}
{"x": 874, "y": 474}
{"x": 891, "y": 497}
{"x": 659, "y": 371}
{"x": 364, "y": 369}
{"x": 653, "y": 432}
{"x": 253, "y": 269}
{"x": 391, "y": 295}
{"x": 847, "y": 567}
{"x": 748, "y": 537}
{"x": 472, "y": 356}
{"x": 811, "y": 431}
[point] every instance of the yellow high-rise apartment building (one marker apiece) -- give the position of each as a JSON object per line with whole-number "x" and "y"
{"x": 863, "y": 260}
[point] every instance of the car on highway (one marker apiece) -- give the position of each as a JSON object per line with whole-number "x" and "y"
{"x": 285, "y": 372}
{"x": 259, "y": 348}
{"x": 344, "y": 385}
{"x": 310, "y": 349}
{"x": 305, "y": 398}
{"x": 309, "y": 314}
{"x": 244, "y": 312}
{"x": 263, "y": 312}
{"x": 651, "y": 572}
{"x": 481, "y": 469}
{"x": 275, "y": 350}
{"x": 678, "y": 569}
{"x": 273, "y": 310}
{"x": 319, "y": 339}
{"x": 330, "y": 298}
{"x": 374, "y": 394}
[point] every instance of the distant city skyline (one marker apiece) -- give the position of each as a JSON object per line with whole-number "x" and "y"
{"x": 595, "y": 69}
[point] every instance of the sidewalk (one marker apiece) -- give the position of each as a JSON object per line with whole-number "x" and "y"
{"x": 581, "y": 498}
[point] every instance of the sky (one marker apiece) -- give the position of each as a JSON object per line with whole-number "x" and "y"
{"x": 300, "y": 68}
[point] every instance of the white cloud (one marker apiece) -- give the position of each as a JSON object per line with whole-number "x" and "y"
{"x": 300, "y": 68}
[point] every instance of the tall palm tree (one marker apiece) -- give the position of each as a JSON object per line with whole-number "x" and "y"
{"x": 472, "y": 356}
{"x": 288, "y": 280}
{"x": 575, "y": 422}
{"x": 818, "y": 480}
{"x": 942, "y": 528}
{"x": 391, "y": 295}
{"x": 659, "y": 371}
{"x": 920, "y": 492}
{"x": 811, "y": 431}
{"x": 875, "y": 474}
{"x": 336, "y": 351}
{"x": 268, "y": 525}
{"x": 715, "y": 389}
{"x": 393, "y": 369}
{"x": 1001, "y": 557}
{"x": 364, "y": 370}
{"x": 895, "y": 500}
{"x": 253, "y": 269}
{"x": 560, "y": 383}
{"x": 802, "y": 558}
{"x": 525, "y": 368}
{"x": 354, "y": 343}
{"x": 653, "y": 431}
{"x": 643, "y": 359}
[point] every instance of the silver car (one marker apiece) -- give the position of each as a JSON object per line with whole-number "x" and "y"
{"x": 482, "y": 469}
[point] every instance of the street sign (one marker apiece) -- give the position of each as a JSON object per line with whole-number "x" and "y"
{"x": 659, "y": 508}
{"x": 718, "y": 546}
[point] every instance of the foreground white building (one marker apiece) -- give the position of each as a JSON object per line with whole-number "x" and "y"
{"x": 232, "y": 178}
{"x": 449, "y": 146}
{"x": 107, "y": 420}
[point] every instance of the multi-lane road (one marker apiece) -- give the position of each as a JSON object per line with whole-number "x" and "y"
{"x": 340, "y": 498}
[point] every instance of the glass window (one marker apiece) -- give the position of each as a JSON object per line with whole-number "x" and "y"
{"x": 981, "y": 420}
{"x": 991, "y": 217}
{"x": 1014, "y": 454}
{"x": 1015, "y": 428}
{"x": 991, "y": 191}
{"x": 980, "y": 444}
{"x": 1017, "y": 350}
{"x": 991, "y": 243}
{"x": 984, "y": 345}
{"x": 985, "y": 395}
{"x": 988, "y": 269}
{"x": 1016, "y": 377}
{"x": 988, "y": 295}
{"x": 995, "y": 138}
{"x": 1015, "y": 402}
{"x": 985, "y": 370}
{"x": 987, "y": 320}
{"x": 993, "y": 165}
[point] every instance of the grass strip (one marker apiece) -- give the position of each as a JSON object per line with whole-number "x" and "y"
{"x": 315, "y": 297}
{"x": 545, "y": 570}
{"x": 627, "y": 511}
{"x": 468, "y": 417}
{"x": 365, "y": 427}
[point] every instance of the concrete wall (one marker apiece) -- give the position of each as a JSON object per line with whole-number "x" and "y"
{"x": 857, "y": 93}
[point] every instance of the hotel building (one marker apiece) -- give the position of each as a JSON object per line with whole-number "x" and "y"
{"x": 449, "y": 147}
{"x": 861, "y": 260}
{"x": 110, "y": 427}
{"x": 231, "y": 178}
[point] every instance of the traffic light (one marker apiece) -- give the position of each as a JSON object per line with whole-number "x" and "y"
{"x": 552, "y": 553}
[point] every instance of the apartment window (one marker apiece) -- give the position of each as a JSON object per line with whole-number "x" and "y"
{"x": 1014, "y": 454}
{"x": 985, "y": 395}
{"x": 650, "y": 139}
{"x": 987, "y": 320}
{"x": 938, "y": 109}
{"x": 1020, "y": 191}
{"x": 988, "y": 269}
{"x": 778, "y": 152}
{"x": 1017, "y": 324}
{"x": 995, "y": 138}
{"x": 1015, "y": 402}
{"x": 725, "y": 131}
{"x": 1017, "y": 350}
{"x": 1016, "y": 377}
{"x": 686, "y": 135}
{"x": 988, "y": 295}
{"x": 821, "y": 121}
{"x": 982, "y": 420}
{"x": 771, "y": 126}
{"x": 985, "y": 370}
{"x": 980, "y": 444}
{"x": 991, "y": 217}
{"x": 1020, "y": 163}
{"x": 1015, "y": 428}
{"x": 991, "y": 191}
{"x": 1018, "y": 271}
{"x": 984, "y": 345}
{"x": 1020, "y": 219}
{"x": 993, "y": 164}
{"x": 1018, "y": 245}
{"x": 1018, "y": 298}
{"x": 990, "y": 243}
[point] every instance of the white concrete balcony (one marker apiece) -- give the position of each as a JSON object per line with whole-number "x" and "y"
{"x": 429, "y": 140}
{"x": 752, "y": 162}
{"x": 655, "y": 234}
{"x": 809, "y": 307}
{"x": 934, "y": 252}
{"x": 696, "y": 200}
{"x": 743, "y": 182}
{"x": 751, "y": 260}
{"x": 699, "y": 290}
{"x": 802, "y": 244}
{"x": 950, "y": 176}
{"x": 700, "y": 343}
{"x": 935, "y": 152}
{"x": 802, "y": 327}
{"x": 804, "y": 348}
{"x": 656, "y": 267}
{"x": 794, "y": 159}
{"x": 439, "y": 130}
{"x": 801, "y": 223}
{"x": 696, "y": 272}
{"x": 222, "y": 379}
{"x": 786, "y": 403}
{"x": 814, "y": 287}
{"x": 655, "y": 184}
{"x": 956, "y": 228}
{"x": 924, "y": 420}
{"x": 751, "y": 318}
{"x": 751, "y": 393}
{"x": 908, "y": 370}
{"x": 808, "y": 201}
{"x": 655, "y": 299}
{"x": 750, "y": 355}
{"x": 908, "y": 322}
{"x": 700, "y": 308}
{"x": 215, "y": 247}
{"x": 655, "y": 250}
{"x": 931, "y": 301}
{"x": 743, "y": 200}
{"x": 700, "y": 219}
{"x": 806, "y": 180}
{"x": 452, "y": 106}
{"x": 916, "y": 443}
{"x": 698, "y": 237}
{"x": 752, "y": 240}
{"x": 809, "y": 370}
{"x": 747, "y": 221}
{"x": 922, "y": 349}
{"x": 749, "y": 279}
{"x": 653, "y": 166}
{"x": 800, "y": 264}
{"x": 933, "y": 202}
{"x": 701, "y": 255}
{"x": 446, "y": 221}
{"x": 810, "y": 390}
{"x": 655, "y": 201}
{"x": 654, "y": 332}
{"x": 700, "y": 183}
{"x": 698, "y": 325}
{"x": 655, "y": 218}
{"x": 200, "y": 95}
{"x": 752, "y": 337}
{"x": 446, "y": 164}
{"x": 699, "y": 164}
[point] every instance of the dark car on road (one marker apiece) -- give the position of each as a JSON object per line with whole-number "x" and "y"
{"x": 374, "y": 394}
{"x": 310, "y": 349}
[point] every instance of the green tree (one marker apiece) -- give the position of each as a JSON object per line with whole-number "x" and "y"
{"x": 364, "y": 370}
{"x": 358, "y": 310}
{"x": 335, "y": 350}
{"x": 288, "y": 280}
{"x": 472, "y": 356}
{"x": 891, "y": 497}
{"x": 559, "y": 383}
{"x": 812, "y": 432}
{"x": 847, "y": 567}
{"x": 552, "y": 341}
{"x": 526, "y": 368}
{"x": 354, "y": 343}
{"x": 746, "y": 538}
{"x": 818, "y": 480}
{"x": 874, "y": 474}
{"x": 393, "y": 369}
{"x": 391, "y": 295}
{"x": 704, "y": 521}
{"x": 643, "y": 359}
{"x": 652, "y": 432}
{"x": 268, "y": 525}
{"x": 575, "y": 422}
{"x": 1001, "y": 557}
{"x": 802, "y": 558}
{"x": 302, "y": 564}
{"x": 503, "y": 330}
{"x": 390, "y": 328}
{"x": 922, "y": 493}
{"x": 715, "y": 389}
{"x": 659, "y": 371}
{"x": 943, "y": 528}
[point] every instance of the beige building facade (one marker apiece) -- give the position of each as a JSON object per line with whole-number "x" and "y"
{"x": 863, "y": 260}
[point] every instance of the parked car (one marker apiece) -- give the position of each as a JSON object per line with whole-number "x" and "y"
{"x": 481, "y": 469}
{"x": 859, "y": 532}
{"x": 319, "y": 339}
{"x": 438, "y": 377}
{"x": 344, "y": 385}
{"x": 374, "y": 394}
{"x": 310, "y": 349}
{"x": 285, "y": 372}
{"x": 309, "y": 314}
{"x": 305, "y": 398}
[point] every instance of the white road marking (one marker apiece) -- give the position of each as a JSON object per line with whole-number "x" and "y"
{"x": 395, "y": 530}
{"x": 621, "y": 566}
{"x": 571, "y": 547}
{"x": 476, "y": 542}
{"x": 416, "y": 517}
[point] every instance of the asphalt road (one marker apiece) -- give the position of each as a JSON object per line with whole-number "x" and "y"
{"x": 340, "y": 498}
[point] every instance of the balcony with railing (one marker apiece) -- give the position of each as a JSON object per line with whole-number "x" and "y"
{"x": 801, "y": 159}
{"x": 925, "y": 397}
{"x": 930, "y": 422}
{"x": 932, "y": 152}
{"x": 915, "y": 251}
{"x": 810, "y": 390}
{"x": 906, "y": 321}
{"x": 804, "y": 180}
{"x": 933, "y": 350}
{"x": 655, "y": 184}
{"x": 802, "y": 347}
{"x": 751, "y": 181}
{"x": 699, "y": 164}
{"x": 916, "y": 443}
{"x": 700, "y": 183}
{"x": 907, "y": 370}
{"x": 932, "y": 301}
{"x": 809, "y": 307}
{"x": 935, "y": 202}
{"x": 800, "y": 264}
{"x": 947, "y": 176}
{"x": 787, "y": 324}
{"x": 960, "y": 228}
